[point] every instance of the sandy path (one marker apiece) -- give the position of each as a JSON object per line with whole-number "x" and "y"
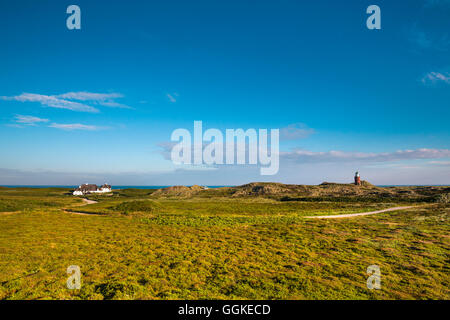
{"x": 8, "y": 213}
{"x": 335, "y": 216}
{"x": 351, "y": 215}
{"x": 86, "y": 202}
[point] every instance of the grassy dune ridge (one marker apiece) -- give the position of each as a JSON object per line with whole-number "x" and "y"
{"x": 246, "y": 242}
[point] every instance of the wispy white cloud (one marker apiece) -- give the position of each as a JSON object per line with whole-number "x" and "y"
{"x": 297, "y": 157}
{"x": 52, "y": 101}
{"x": 172, "y": 97}
{"x": 75, "y": 126}
{"x": 166, "y": 148}
{"x": 103, "y": 99}
{"x": 29, "y": 120}
{"x": 295, "y": 131}
{"x": 113, "y": 104}
{"x": 14, "y": 125}
{"x": 305, "y": 156}
{"x": 440, "y": 163}
{"x": 436, "y": 77}
{"x": 75, "y": 101}
{"x": 89, "y": 96}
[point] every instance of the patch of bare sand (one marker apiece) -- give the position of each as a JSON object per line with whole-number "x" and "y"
{"x": 8, "y": 213}
{"x": 351, "y": 215}
{"x": 86, "y": 202}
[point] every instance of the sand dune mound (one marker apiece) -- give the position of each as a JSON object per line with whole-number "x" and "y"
{"x": 347, "y": 189}
{"x": 261, "y": 188}
{"x": 178, "y": 191}
{"x": 324, "y": 189}
{"x": 288, "y": 192}
{"x": 364, "y": 183}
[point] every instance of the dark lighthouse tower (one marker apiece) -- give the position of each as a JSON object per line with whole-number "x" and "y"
{"x": 357, "y": 179}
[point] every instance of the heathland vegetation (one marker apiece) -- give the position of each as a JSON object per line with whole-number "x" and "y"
{"x": 247, "y": 242}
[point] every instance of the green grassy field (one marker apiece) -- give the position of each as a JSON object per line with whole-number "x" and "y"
{"x": 138, "y": 245}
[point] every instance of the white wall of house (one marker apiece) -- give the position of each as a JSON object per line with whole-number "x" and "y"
{"x": 102, "y": 190}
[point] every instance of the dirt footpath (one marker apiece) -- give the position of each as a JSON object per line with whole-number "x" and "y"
{"x": 86, "y": 202}
{"x": 351, "y": 215}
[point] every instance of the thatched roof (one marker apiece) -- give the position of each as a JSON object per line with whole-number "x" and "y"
{"x": 87, "y": 187}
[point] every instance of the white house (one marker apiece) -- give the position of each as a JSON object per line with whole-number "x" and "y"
{"x": 91, "y": 188}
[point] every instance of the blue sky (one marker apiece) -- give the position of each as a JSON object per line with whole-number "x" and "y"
{"x": 99, "y": 104}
